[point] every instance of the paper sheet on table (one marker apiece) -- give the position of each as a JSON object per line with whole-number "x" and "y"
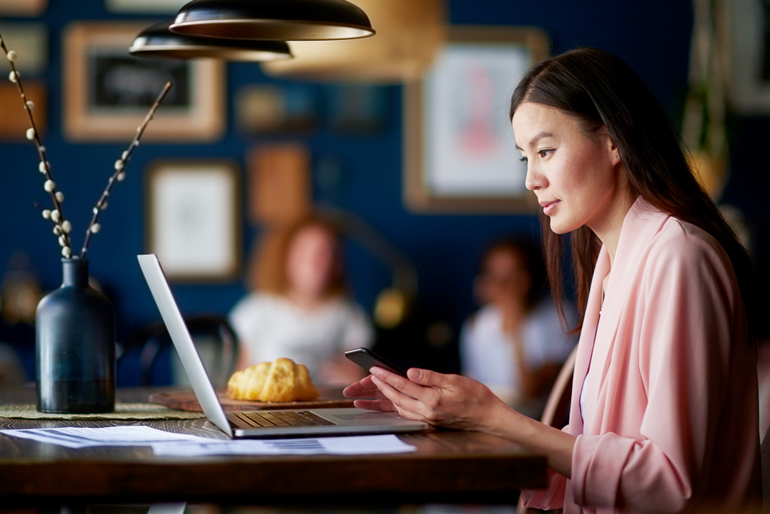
{"x": 351, "y": 445}
{"x": 81, "y": 437}
{"x": 184, "y": 445}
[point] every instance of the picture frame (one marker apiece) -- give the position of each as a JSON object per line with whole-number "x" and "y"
{"x": 193, "y": 219}
{"x": 272, "y": 108}
{"x": 279, "y": 186}
{"x": 30, "y": 42}
{"x": 107, "y": 92}
{"x": 22, "y": 7}
{"x": 14, "y": 121}
{"x": 459, "y": 150}
{"x": 145, "y": 6}
{"x": 749, "y": 85}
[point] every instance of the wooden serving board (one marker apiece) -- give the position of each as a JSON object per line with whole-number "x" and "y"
{"x": 186, "y": 400}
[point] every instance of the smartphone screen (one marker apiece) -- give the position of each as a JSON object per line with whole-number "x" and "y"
{"x": 367, "y": 358}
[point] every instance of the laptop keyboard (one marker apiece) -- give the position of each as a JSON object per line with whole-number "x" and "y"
{"x": 275, "y": 419}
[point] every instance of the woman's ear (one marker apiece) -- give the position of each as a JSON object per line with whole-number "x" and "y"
{"x": 611, "y": 146}
{"x": 615, "y": 152}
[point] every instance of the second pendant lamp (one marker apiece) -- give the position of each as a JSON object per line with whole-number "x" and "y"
{"x": 158, "y": 41}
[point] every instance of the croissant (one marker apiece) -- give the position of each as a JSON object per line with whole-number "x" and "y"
{"x": 280, "y": 381}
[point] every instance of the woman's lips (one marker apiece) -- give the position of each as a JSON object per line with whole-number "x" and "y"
{"x": 549, "y": 207}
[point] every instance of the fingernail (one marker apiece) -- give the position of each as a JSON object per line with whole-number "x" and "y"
{"x": 416, "y": 374}
{"x": 375, "y": 371}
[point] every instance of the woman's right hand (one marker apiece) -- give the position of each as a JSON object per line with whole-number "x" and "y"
{"x": 451, "y": 401}
{"x": 373, "y": 399}
{"x": 459, "y": 402}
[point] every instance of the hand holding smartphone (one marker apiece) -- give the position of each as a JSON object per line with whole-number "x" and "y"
{"x": 367, "y": 358}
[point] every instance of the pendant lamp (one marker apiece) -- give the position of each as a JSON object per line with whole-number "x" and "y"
{"x": 158, "y": 41}
{"x": 409, "y": 36}
{"x": 285, "y": 20}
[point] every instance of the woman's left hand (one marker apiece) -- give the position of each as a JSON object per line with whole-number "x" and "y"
{"x": 451, "y": 401}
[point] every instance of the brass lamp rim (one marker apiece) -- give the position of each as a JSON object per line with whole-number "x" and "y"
{"x": 271, "y": 30}
{"x": 287, "y": 20}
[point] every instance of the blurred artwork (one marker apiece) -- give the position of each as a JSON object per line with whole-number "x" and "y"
{"x": 22, "y": 7}
{"x": 270, "y": 108}
{"x": 19, "y": 291}
{"x": 358, "y": 109}
{"x": 468, "y": 133}
{"x": 748, "y": 65}
{"x": 13, "y": 122}
{"x": 703, "y": 124}
{"x": 30, "y": 41}
{"x": 145, "y": 6}
{"x": 459, "y": 151}
{"x": 279, "y": 183}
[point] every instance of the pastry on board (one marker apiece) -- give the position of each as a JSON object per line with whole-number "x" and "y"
{"x": 282, "y": 380}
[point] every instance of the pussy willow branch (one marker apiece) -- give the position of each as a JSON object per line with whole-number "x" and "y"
{"x": 45, "y": 166}
{"x": 119, "y": 173}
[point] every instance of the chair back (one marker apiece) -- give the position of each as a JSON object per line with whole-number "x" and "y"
{"x": 765, "y": 464}
{"x": 214, "y": 339}
{"x": 556, "y": 410}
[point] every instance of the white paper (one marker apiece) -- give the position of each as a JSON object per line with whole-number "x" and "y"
{"x": 80, "y": 437}
{"x": 352, "y": 445}
{"x": 184, "y": 445}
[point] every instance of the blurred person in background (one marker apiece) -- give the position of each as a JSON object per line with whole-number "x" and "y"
{"x": 300, "y": 308}
{"x": 515, "y": 343}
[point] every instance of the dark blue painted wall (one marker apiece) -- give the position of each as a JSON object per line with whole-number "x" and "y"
{"x": 652, "y": 35}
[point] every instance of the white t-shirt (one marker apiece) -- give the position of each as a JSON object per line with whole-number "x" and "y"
{"x": 271, "y": 327}
{"x": 488, "y": 354}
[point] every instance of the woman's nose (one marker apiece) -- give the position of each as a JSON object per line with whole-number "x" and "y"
{"x": 534, "y": 180}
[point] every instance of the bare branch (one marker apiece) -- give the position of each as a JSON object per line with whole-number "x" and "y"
{"x": 33, "y": 134}
{"x": 119, "y": 174}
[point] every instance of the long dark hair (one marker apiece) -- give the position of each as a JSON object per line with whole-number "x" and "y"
{"x": 599, "y": 89}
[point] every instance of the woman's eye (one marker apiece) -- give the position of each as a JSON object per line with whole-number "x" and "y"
{"x": 523, "y": 159}
{"x": 544, "y": 153}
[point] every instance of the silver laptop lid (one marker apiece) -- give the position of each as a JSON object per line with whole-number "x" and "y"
{"x": 183, "y": 342}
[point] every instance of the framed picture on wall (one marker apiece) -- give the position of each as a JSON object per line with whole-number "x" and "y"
{"x": 107, "y": 92}
{"x": 30, "y": 42}
{"x": 22, "y": 7}
{"x": 14, "y": 120}
{"x": 193, "y": 219}
{"x": 145, "y": 6}
{"x": 459, "y": 150}
{"x": 749, "y": 91}
{"x": 269, "y": 108}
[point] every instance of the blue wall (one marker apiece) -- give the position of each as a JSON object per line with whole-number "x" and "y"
{"x": 651, "y": 35}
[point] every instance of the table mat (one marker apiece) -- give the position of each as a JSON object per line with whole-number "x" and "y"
{"x": 136, "y": 411}
{"x": 186, "y": 401}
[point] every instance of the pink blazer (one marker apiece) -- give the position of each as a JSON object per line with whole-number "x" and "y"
{"x": 671, "y": 401}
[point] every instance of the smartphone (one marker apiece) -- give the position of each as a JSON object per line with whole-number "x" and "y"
{"x": 367, "y": 358}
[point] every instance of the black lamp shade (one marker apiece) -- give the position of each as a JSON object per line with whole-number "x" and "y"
{"x": 286, "y": 20}
{"x": 158, "y": 41}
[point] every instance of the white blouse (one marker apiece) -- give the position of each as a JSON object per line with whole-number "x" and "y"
{"x": 271, "y": 327}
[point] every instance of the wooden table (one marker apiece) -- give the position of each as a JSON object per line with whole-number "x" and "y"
{"x": 448, "y": 467}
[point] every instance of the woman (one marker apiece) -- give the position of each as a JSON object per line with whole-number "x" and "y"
{"x": 664, "y": 398}
{"x": 300, "y": 310}
{"x": 514, "y": 343}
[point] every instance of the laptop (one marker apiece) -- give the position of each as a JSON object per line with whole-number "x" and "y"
{"x": 259, "y": 423}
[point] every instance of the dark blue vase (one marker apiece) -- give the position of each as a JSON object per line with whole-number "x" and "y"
{"x": 75, "y": 346}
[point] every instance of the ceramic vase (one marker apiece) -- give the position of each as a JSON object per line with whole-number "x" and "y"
{"x": 75, "y": 346}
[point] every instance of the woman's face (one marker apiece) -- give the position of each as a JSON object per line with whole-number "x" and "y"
{"x": 577, "y": 179}
{"x": 311, "y": 261}
{"x": 503, "y": 278}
